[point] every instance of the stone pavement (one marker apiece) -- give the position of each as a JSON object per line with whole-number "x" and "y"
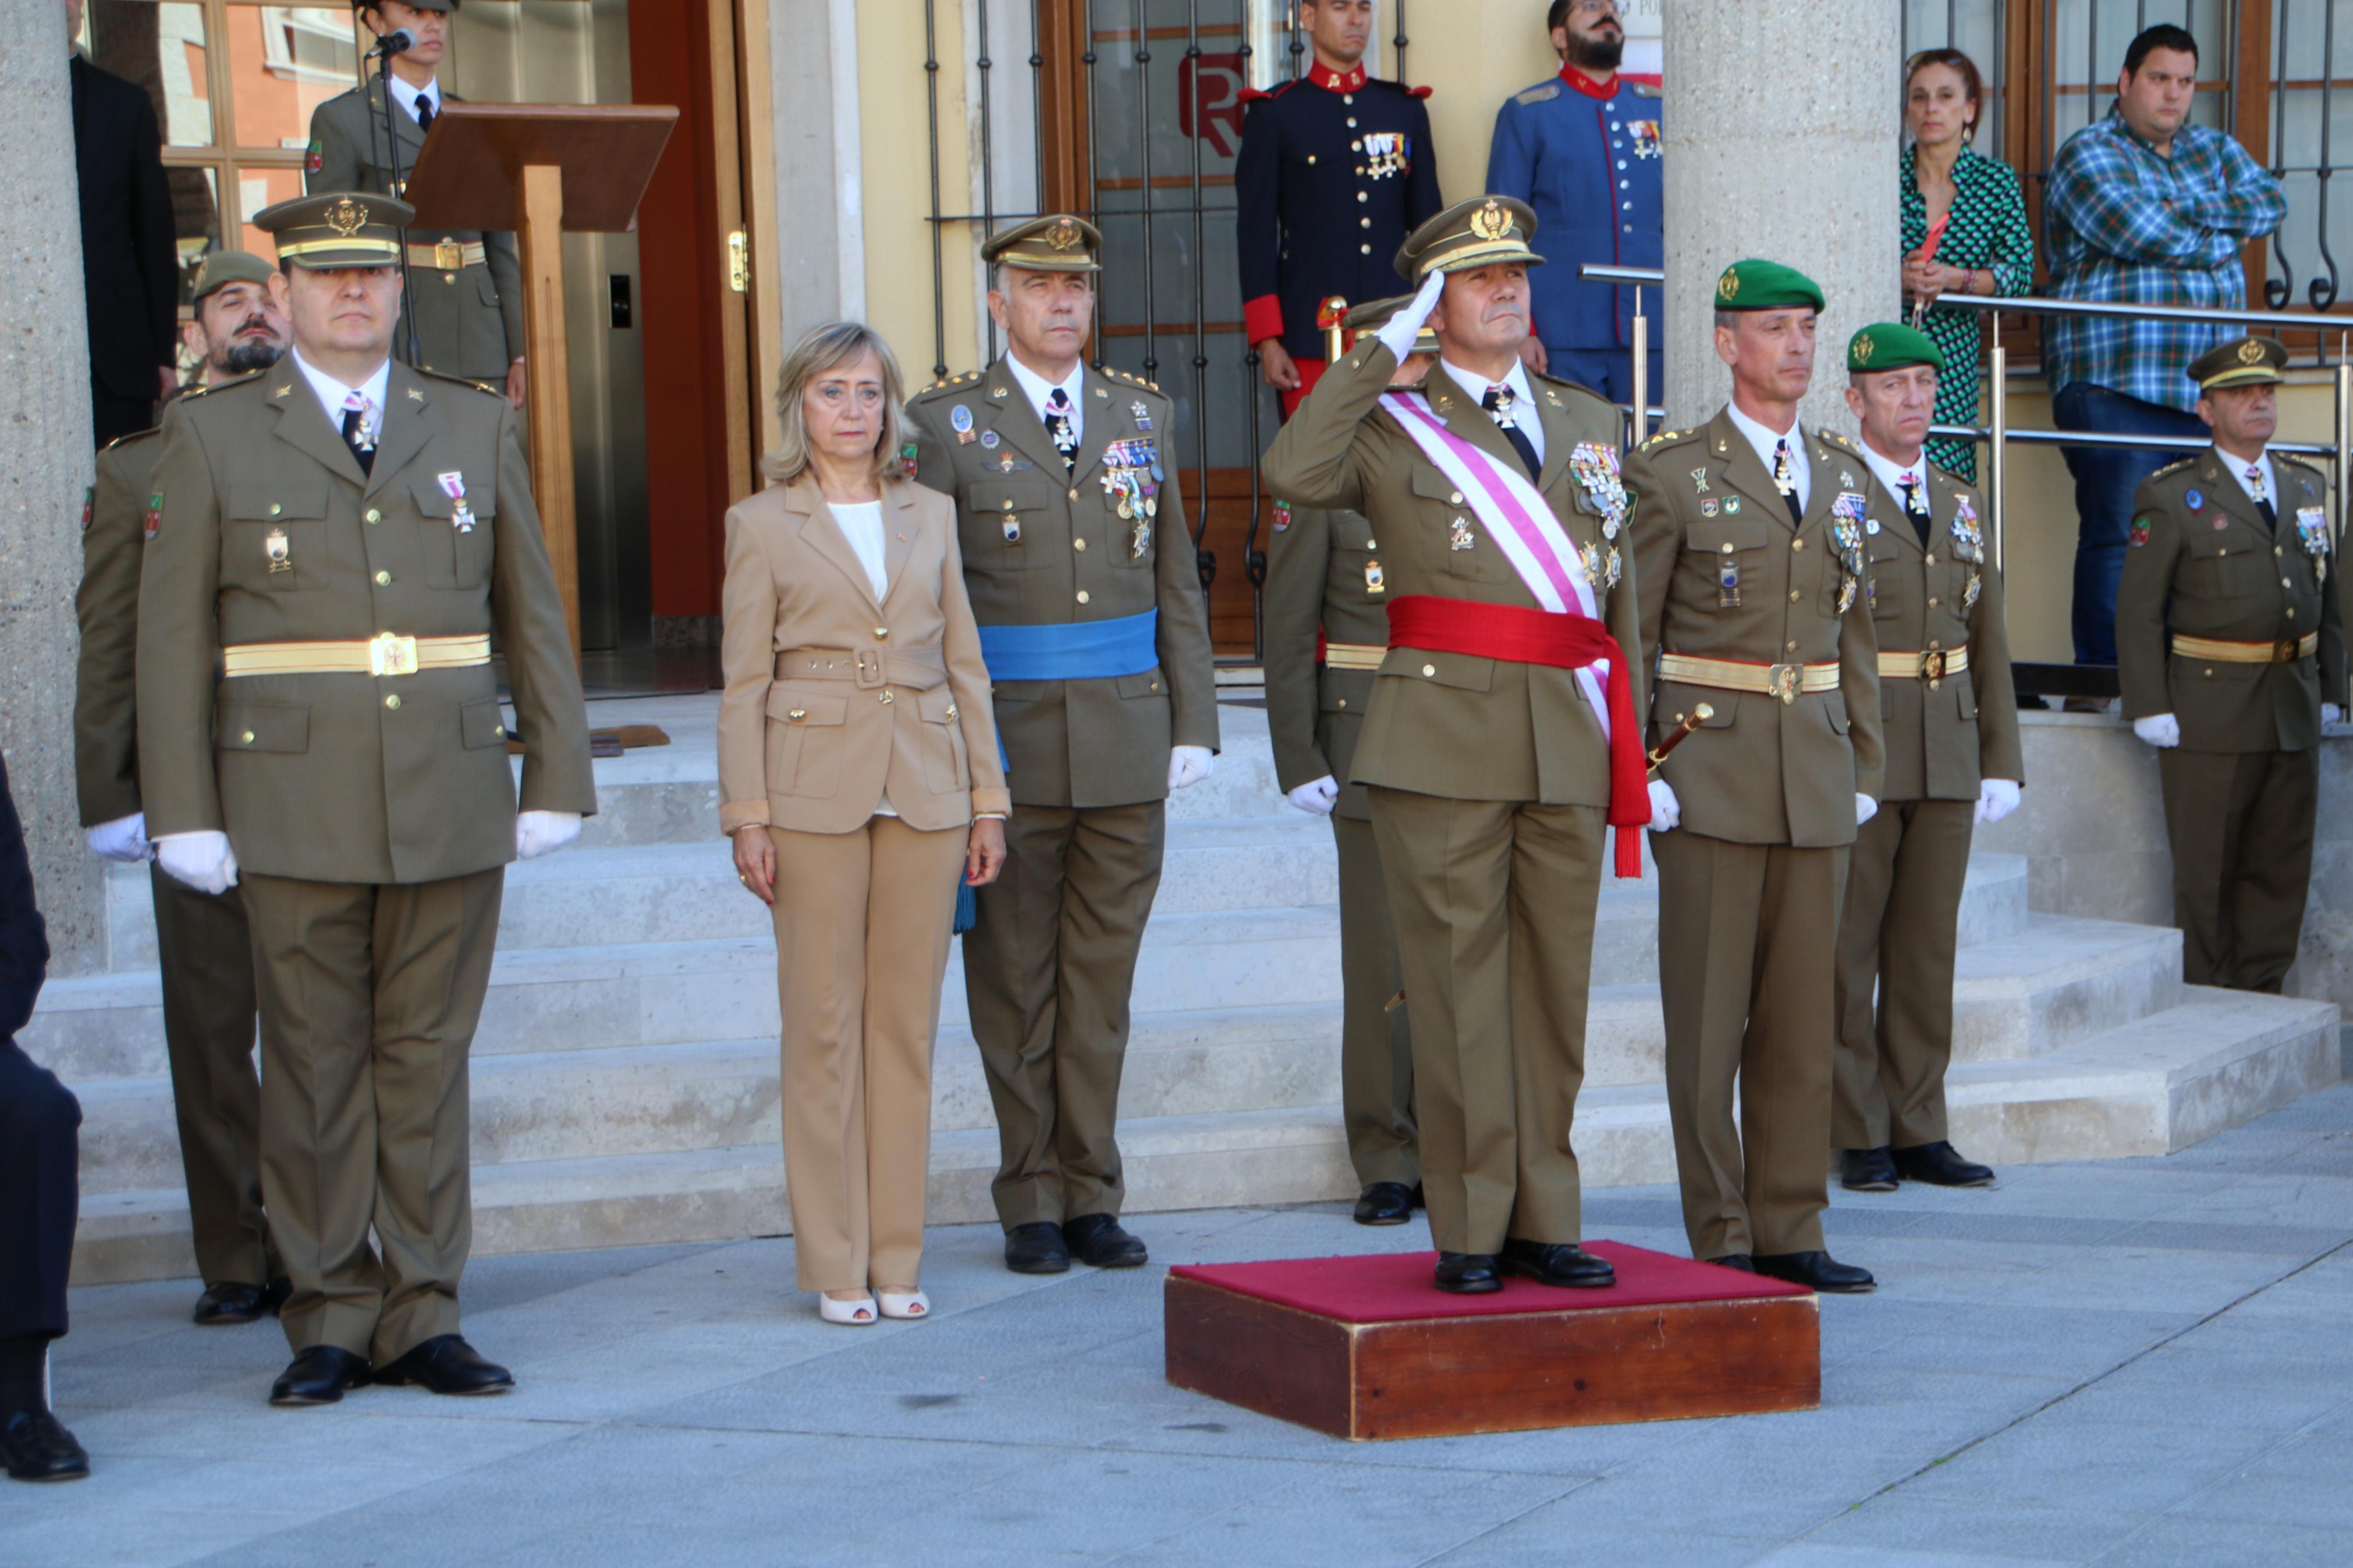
{"x": 2133, "y": 1361}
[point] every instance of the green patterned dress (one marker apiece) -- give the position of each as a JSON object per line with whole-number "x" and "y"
{"x": 1988, "y": 230}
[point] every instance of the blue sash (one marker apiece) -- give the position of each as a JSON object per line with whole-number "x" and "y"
{"x": 1081, "y": 650}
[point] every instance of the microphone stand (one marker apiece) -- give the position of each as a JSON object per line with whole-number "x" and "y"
{"x": 392, "y": 138}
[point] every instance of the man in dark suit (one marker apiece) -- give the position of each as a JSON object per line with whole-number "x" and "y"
{"x": 129, "y": 268}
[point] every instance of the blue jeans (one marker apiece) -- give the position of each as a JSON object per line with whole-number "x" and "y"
{"x": 1609, "y": 372}
{"x": 2107, "y": 478}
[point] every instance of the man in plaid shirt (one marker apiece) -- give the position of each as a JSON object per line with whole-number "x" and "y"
{"x": 2145, "y": 209}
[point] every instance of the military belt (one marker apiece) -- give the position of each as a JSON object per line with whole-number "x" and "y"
{"x": 921, "y": 668}
{"x": 1354, "y": 654}
{"x": 449, "y": 255}
{"x": 1930, "y": 663}
{"x": 1781, "y": 681}
{"x": 2285, "y": 650}
{"x": 384, "y": 654}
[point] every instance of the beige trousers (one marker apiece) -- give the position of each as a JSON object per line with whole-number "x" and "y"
{"x": 862, "y": 939}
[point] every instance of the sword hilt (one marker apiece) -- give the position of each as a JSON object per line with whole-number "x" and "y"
{"x": 1680, "y": 733}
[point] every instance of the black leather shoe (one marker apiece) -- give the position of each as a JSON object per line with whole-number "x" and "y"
{"x": 1468, "y": 1273}
{"x": 274, "y": 1296}
{"x": 231, "y": 1303}
{"x": 1867, "y": 1171}
{"x": 317, "y": 1375}
{"x": 1556, "y": 1263}
{"x": 1818, "y": 1271}
{"x": 1385, "y": 1203}
{"x": 1940, "y": 1165}
{"x": 1036, "y": 1248}
{"x": 1732, "y": 1261}
{"x": 37, "y": 1450}
{"x": 445, "y": 1363}
{"x": 1097, "y": 1240}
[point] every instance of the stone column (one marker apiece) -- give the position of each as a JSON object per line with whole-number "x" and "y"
{"x": 44, "y": 462}
{"x": 820, "y": 235}
{"x": 1782, "y": 125}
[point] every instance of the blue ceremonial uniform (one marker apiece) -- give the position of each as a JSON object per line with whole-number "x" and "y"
{"x": 1335, "y": 170}
{"x": 1590, "y": 165}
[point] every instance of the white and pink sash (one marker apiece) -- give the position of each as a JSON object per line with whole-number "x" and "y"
{"x": 1515, "y": 514}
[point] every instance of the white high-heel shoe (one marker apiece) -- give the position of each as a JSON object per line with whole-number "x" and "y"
{"x": 906, "y": 1305}
{"x": 856, "y": 1313}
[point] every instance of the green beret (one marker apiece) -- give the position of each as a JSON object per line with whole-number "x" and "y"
{"x": 2243, "y": 362}
{"x": 1754, "y": 285}
{"x": 1891, "y": 345}
{"x": 220, "y": 268}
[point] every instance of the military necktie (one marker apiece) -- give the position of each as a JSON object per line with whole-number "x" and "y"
{"x": 359, "y": 433}
{"x": 2261, "y": 494}
{"x": 1785, "y": 479}
{"x": 1499, "y": 403}
{"x": 1916, "y": 504}
{"x": 1062, "y": 428}
{"x": 424, "y": 113}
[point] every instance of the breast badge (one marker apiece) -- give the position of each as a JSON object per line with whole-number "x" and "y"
{"x": 2312, "y": 531}
{"x": 274, "y": 551}
{"x": 1375, "y": 582}
{"x": 1595, "y": 468}
{"x": 1847, "y": 513}
{"x": 1458, "y": 535}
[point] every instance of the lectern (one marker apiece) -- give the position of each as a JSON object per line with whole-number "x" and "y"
{"x": 539, "y": 168}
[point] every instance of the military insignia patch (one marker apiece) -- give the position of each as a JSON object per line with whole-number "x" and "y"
{"x": 2195, "y": 501}
{"x": 2138, "y": 535}
{"x": 153, "y": 520}
{"x": 316, "y": 158}
{"x": 1282, "y": 515}
{"x": 88, "y": 497}
{"x": 2220, "y": 521}
{"x": 1707, "y": 506}
{"x": 907, "y": 458}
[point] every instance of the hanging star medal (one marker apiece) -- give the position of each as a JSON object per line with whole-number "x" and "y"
{"x": 462, "y": 510}
{"x": 2312, "y": 531}
{"x": 1595, "y": 468}
{"x": 1966, "y": 536}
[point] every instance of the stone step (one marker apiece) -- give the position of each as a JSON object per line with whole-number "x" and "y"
{"x": 2215, "y": 1059}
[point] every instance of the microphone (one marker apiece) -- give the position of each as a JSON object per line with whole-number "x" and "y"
{"x": 399, "y": 41}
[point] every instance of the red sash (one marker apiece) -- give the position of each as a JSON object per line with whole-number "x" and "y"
{"x": 1571, "y": 641}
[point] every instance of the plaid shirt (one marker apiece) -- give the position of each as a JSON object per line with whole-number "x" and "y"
{"x": 2132, "y": 227}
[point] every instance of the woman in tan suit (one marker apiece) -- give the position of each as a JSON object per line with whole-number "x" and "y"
{"x": 857, "y": 756}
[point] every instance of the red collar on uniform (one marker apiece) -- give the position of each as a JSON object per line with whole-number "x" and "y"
{"x": 1324, "y": 77}
{"x": 1588, "y": 86}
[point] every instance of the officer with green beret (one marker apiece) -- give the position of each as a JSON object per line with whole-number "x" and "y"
{"x": 1950, "y": 716}
{"x": 466, "y": 286}
{"x": 202, "y": 949}
{"x": 330, "y": 547}
{"x": 1327, "y": 630}
{"x": 1088, "y": 595}
{"x": 1750, "y": 545}
{"x": 2230, "y": 650}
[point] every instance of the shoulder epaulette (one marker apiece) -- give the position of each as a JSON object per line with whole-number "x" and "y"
{"x": 966, "y": 379}
{"x": 1118, "y": 374}
{"x": 1836, "y": 439}
{"x": 2175, "y": 466}
{"x": 1667, "y": 438}
{"x": 1643, "y": 90}
{"x": 466, "y": 380}
{"x": 2301, "y": 461}
{"x": 1268, "y": 94}
{"x": 205, "y": 389}
{"x": 1948, "y": 475}
{"x": 1423, "y": 91}
{"x": 1544, "y": 92}
{"x": 126, "y": 440}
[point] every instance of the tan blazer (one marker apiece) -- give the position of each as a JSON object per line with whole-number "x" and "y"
{"x": 832, "y": 700}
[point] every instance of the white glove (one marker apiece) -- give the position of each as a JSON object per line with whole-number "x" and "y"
{"x": 1189, "y": 765}
{"x": 1666, "y": 811}
{"x": 1396, "y": 335}
{"x": 2331, "y": 714}
{"x": 1866, "y": 808}
{"x": 2162, "y": 730}
{"x": 123, "y": 839}
{"x": 1317, "y": 797}
{"x": 537, "y": 832}
{"x": 1996, "y": 798}
{"x": 202, "y": 860}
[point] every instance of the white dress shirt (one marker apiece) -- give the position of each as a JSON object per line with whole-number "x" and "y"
{"x": 2239, "y": 467}
{"x": 1524, "y": 412}
{"x": 334, "y": 395}
{"x": 1893, "y": 476}
{"x": 861, "y": 524}
{"x": 407, "y": 96}
{"x": 1037, "y": 389}
{"x": 1765, "y": 440}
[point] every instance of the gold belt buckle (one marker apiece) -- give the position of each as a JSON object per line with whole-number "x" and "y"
{"x": 1783, "y": 682}
{"x": 449, "y": 255}
{"x": 390, "y": 655}
{"x": 870, "y": 668}
{"x": 2286, "y": 651}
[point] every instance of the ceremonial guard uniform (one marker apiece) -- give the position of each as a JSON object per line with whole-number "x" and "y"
{"x": 465, "y": 285}
{"x": 1502, "y": 738}
{"x": 1589, "y": 159}
{"x": 1753, "y": 603}
{"x": 1950, "y": 719}
{"x": 1335, "y": 170}
{"x": 1088, "y": 596}
{"x": 314, "y": 679}
{"x": 203, "y": 951}
{"x": 2228, "y": 620}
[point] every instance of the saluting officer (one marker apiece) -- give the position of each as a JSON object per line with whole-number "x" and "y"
{"x": 2231, "y": 649}
{"x": 330, "y": 545}
{"x": 1750, "y": 545}
{"x": 1088, "y": 595}
{"x": 468, "y": 285}
{"x": 1953, "y": 761}
{"x": 201, "y": 948}
{"x": 1335, "y": 170}
{"x": 1503, "y": 737}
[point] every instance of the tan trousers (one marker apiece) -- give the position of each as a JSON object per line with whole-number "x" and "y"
{"x": 1898, "y": 933}
{"x": 863, "y": 939}
{"x": 1047, "y": 974}
{"x": 369, "y": 999}
{"x": 1747, "y": 938}
{"x": 1494, "y": 906}
{"x": 2242, "y": 825}
{"x": 1376, "y": 1047}
{"x": 205, "y": 954}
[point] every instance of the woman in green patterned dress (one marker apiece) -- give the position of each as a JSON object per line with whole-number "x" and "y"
{"x": 1972, "y": 206}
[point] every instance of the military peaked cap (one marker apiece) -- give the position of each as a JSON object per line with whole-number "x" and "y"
{"x": 1480, "y": 232}
{"x": 2249, "y": 361}
{"x": 222, "y": 267}
{"x": 337, "y": 229}
{"x": 1055, "y": 243}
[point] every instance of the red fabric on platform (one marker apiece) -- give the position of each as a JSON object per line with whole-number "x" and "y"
{"x": 1395, "y": 1287}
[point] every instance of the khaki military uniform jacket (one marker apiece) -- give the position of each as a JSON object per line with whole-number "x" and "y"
{"x": 1945, "y": 732}
{"x": 2202, "y": 563}
{"x": 1041, "y": 547}
{"x": 1325, "y": 573}
{"x": 469, "y": 317}
{"x": 350, "y": 777}
{"x": 1450, "y": 724}
{"x": 1761, "y": 770}
{"x": 106, "y": 729}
